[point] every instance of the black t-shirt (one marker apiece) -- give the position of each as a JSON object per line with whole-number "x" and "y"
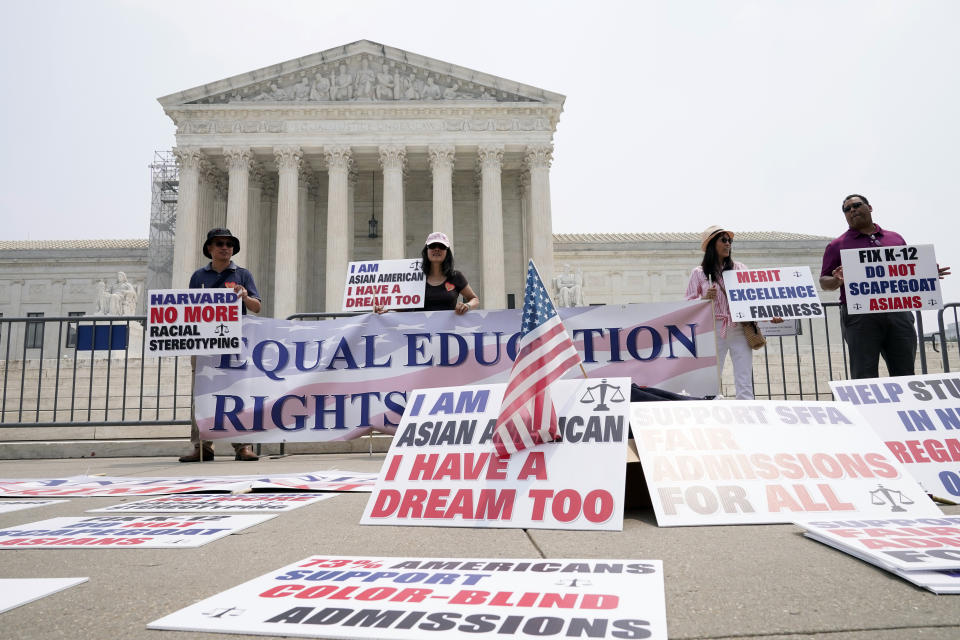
{"x": 443, "y": 297}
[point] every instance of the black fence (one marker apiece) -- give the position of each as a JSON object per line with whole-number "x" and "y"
{"x": 78, "y": 371}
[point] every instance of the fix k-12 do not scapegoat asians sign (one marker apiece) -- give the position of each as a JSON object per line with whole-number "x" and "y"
{"x": 193, "y": 322}
{"x": 442, "y": 468}
{"x": 393, "y": 284}
{"x": 882, "y": 279}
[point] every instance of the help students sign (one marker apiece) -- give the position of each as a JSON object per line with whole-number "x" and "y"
{"x": 918, "y": 417}
{"x": 761, "y": 294}
{"x": 748, "y": 462}
{"x": 416, "y": 598}
{"x": 883, "y": 279}
{"x": 395, "y": 284}
{"x": 442, "y": 469}
{"x": 193, "y": 322}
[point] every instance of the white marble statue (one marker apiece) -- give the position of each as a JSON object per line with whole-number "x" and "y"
{"x": 119, "y": 299}
{"x": 569, "y": 286}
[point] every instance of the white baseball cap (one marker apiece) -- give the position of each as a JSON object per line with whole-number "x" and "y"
{"x": 437, "y": 236}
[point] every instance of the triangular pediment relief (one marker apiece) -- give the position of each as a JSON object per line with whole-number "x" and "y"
{"x": 363, "y": 71}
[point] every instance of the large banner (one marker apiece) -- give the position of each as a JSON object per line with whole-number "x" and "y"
{"x": 422, "y": 598}
{"x": 918, "y": 417}
{"x": 339, "y": 379}
{"x": 749, "y": 462}
{"x": 442, "y": 469}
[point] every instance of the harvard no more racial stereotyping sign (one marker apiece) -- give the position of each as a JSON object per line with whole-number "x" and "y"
{"x": 79, "y": 486}
{"x": 883, "y": 279}
{"x": 918, "y": 417}
{"x": 339, "y": 379}
{"x": 749, "y": 462}
{"x": 126, "y": 532}
{"x": 442, "y": 469}
{"x": 761, "y": 294}
{"x": 205, "y": 503}
{"x": 395, "y": 284}
{"x": 421, "y": 598}
{"x": 193, "y": 322}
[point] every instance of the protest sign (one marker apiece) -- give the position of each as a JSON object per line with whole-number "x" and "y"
{"x": 748, "y": 462}
{"x": 341, "y": 378}
{"x": 193, "y": 322}
{"x": 418, "y": 598}
{"x": 15, "y": 592}
{"x": 125, "y": 532}
{"x": 909, "y": 544}
{"x": 6, "y": 506}
{"x": 395, "y": 284}
{"x": 442, "y": 468}
{"x": 882, "y": 279}
{"x": 788, "y": 328}
{"x": 195, "y": 503}
{"x": 80, "y": 486}
{"x": 761, "y": 294}
{"x": 918, "y": 417}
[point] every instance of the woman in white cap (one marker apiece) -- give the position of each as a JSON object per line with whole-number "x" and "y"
{"x": 445, "y": 284}
{"x": 705, "y": 281}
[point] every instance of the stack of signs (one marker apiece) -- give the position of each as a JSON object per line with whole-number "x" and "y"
{"x": 761, "y": 294}
{"x": 748, "y": 462}
{"x": 408, "y": 598}
{"x": 442, "y": 469}
{"x": 925, "y": 551}
{"x": 918, "y": 417}
{"x": 882, "y": 279}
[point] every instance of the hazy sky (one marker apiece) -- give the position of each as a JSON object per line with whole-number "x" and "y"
{"x": 754, "y": 115}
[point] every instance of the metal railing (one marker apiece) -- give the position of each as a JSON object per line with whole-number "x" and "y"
{"x": 54, "y": 374}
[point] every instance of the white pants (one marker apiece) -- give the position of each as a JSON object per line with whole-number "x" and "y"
{"x": 742, "y": 356}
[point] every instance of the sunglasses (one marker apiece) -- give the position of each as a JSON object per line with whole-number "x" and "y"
{"x": 222, "y": 243}
{"x": 725, "y": 239}
{"x": 850, "y": 207}
{"x": 436, "y": 245}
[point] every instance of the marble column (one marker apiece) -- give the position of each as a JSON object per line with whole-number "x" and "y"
{"x": 441, "y": 165}
{"x": 208, "y": 178}
{"x": 285, "y": 288}
{"x": 392, "y": 159}
{"x": 494, "y": 294}
{"x": 268, "y": 245}
{"x": 239, "y": 161}
{"x": 540, "y": 228}
{"x": 187, "y": 243}
{"x": 523, "y": 191}
{"x": 339, "y": 160}
{"x": 352, "y": 179}
{"x": 254, "y": 232}
{"x": 304, "y": 235}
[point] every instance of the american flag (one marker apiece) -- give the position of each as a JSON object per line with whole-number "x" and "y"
{"x": 527, "y": 416}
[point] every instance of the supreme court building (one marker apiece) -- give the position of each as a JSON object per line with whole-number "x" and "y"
{"x": 357, "y": 153}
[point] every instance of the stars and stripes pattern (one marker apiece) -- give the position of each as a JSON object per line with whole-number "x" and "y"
{"x": 527, "y": 416}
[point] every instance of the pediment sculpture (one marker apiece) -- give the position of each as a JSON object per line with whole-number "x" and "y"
{"x": 363, "y": 78}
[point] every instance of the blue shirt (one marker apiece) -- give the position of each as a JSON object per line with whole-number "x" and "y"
{"x": 206, "y": 278}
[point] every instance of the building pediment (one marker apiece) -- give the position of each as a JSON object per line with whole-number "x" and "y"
{"x": 363, "y": 71}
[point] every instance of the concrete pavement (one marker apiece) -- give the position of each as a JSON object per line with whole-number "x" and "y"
{"x": 721, "y": 582}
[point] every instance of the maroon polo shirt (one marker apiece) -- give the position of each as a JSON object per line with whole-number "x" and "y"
{"x": 853, "y": 239}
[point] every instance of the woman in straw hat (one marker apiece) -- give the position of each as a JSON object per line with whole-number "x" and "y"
{"x": 705, "y": 282}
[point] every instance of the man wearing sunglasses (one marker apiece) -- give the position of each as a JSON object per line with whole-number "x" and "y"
{"x": 221, "y": 272}
{"x": 869, "y": 335}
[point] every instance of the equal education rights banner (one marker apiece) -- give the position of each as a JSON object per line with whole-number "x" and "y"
{"x": 749, "y": 462}
{"x": 918, "y": 417}
{"x": 883, "y": 279}
{"x": 400, "y": 598}
{"x": 339, "y": 379}
{"x": 442, "y": 469}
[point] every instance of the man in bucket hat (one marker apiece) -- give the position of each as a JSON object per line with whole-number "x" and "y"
{"x": 221, "y": 271}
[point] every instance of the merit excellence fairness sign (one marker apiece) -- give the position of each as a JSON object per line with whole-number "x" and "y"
{"x": 442, "y": 468}
{"x": 761, "y": 294}
{"x": 882, "y": 279}
{"x": 918, "y": 418}
{"x": 193, "y": 322}
{"x": 412, "y": 598}
{"x": 395, "y": 284}
{"x": 339, "y": 379}
{"x": 749, "y": 462}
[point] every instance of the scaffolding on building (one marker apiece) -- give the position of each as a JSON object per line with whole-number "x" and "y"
{"x": 164, "y": 187}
